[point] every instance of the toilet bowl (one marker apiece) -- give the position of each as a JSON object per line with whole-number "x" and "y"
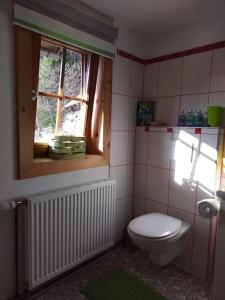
{"x": 162, "y": 236}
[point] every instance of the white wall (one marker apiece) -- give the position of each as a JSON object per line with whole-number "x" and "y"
{"x": 186, "y": 38}
{"x": 10, "y": 188}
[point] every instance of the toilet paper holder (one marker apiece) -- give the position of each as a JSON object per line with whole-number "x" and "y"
{"x": 208, "y": 208}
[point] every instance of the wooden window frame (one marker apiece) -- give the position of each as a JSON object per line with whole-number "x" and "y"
{"x": 27, "y": 51}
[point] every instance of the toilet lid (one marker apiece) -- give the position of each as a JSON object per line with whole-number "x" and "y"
{"x": 155, "y": 225}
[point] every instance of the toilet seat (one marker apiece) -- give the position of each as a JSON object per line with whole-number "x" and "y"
{"x": 155, "y": 226}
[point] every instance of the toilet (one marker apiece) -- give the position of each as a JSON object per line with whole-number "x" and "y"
{"x": 162, "y": 236}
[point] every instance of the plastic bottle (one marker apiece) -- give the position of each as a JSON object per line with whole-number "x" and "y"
{"x": 199, "y": 118}
{"x": 190, "y": 121}
{"x": 182, "y": 119}
{"x": 205, "y": 119}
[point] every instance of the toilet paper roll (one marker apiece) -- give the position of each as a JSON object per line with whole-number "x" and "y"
{"x": 208, "y": 208}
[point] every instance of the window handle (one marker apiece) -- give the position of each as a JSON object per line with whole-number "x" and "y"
{"x": 34, "y": 95}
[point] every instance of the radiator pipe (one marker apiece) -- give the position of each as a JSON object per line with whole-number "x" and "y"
{"x": 15, "y": 203}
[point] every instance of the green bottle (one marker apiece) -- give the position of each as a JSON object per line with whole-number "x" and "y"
{"x": 190, "y": 121}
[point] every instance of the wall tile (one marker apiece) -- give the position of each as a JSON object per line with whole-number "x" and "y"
{"x": 137, "y": 73}
{"x": 121, "y": 75}
{"x": 184, "y": 261}
{"x": 185, "y": 217}
{"x": 153, "y": 206}
{"x": 218, "y": 71}
{"x": 130, "y": 150}
{"x": 194, "y": 102}
{"x": 218, "y": 99}
{"x": 157, "y": 185}
{"x": 132, "y": 113}
{"x": 170, "y": 73}
{"x": 123, "y": 214}
{"x": 119, "y": 148}
{"x": 196, "y": 73}
{"x": 183, "y": 158}
{"x": 120, "y": 175}
{"x": 199, "y": 267}
{"x": 201, "y": 236}
{"x": 205, "y": 171}
{"x": 159, "y": 148}
{"x": 167, "y": 110}
{"x": 151, "y": 80}
{"x": 120, "y": 109}
{"x": 182, "y": 194}
{"x": 141, "y": 145}
{"x": 140, "y": 180}
{"x": 138, "y": 206}
{"x": 130, "y": 179}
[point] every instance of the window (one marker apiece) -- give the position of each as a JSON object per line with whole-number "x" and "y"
{"x": 60, "y": 90}
{"x": 62, "y": 98}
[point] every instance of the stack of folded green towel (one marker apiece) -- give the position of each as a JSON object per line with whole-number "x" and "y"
{"x": 67, "y": 147}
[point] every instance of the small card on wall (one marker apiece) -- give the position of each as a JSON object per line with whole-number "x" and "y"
{"x": 145, "y": 113}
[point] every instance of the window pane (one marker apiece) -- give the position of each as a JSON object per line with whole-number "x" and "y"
{"x": 73, "y": 118}
{"x": 45, "y": 119}
{"x": 49, "y": 68}
{"x": 73, "y": 73}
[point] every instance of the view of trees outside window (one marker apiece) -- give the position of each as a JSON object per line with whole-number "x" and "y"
{"x": 72, "y": 112}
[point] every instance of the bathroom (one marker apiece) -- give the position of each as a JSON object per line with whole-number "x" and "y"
{"x": 174, "y": 57}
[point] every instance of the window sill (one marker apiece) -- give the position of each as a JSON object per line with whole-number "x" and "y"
{"x": 48, "y": 166}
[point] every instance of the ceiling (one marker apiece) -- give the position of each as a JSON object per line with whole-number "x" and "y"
{"x": 153, "y": 17}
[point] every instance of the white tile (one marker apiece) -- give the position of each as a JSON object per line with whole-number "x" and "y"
{"x": 159, "y": 149}
{"x": 184, "y": 261}
{"x": 170, "y": 73}
{"x": 201, "y": 236}
{"x": 137, "y": 73}
{"x": 151, "y": 80}
{"x": 196, "y": 73}
{"x": 120, "y": 175}
{"x": 130, "y": 150}
{"x": 205, "y": 171}
{"x": 157, "y": 185}
{"x": 120, "y": 112}
{"x": 119, "y": 148}
{"x": 141, "y": 145}
{"x": 130, "y": 179}
{"x": 184, "y": 152}
{"x": 218, "y": 99}
{"x": 132, "y": 114}
{"x": 119, "y": 236}
{"x": 167, "y": 110}
{"x": 199, "y": 267}
{"x": 123, "y": 214}
{"x": 185, "y": 217}
{"x": 153, "y": 206}
{"x": 140, "y": 173}
{"x": 218, "y": 71}
{"x": 121, "y": 75}
{"x": 182, "y": 192}
{"x": 139, "y": 206}
{"x": 194, "y": 103}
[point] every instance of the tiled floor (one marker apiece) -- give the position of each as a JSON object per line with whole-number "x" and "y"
{"x": 169, "y": 281}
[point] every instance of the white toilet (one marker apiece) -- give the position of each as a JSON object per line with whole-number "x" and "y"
{"x": 162, "y": 236}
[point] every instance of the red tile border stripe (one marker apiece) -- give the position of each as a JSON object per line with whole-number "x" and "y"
{"x": 174, "y": 55}
{"x": 130, "y": 56}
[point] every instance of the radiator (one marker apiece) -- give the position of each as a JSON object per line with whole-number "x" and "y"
{"x": 66, "y": 228}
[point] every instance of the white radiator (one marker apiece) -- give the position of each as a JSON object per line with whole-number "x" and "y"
{"x": 68, "y": 227}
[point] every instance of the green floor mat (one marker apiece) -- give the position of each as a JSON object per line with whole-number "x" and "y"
{"x": 119, "y": 285}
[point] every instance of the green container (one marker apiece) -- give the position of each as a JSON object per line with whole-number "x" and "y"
{"x": 215, "y": 114}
